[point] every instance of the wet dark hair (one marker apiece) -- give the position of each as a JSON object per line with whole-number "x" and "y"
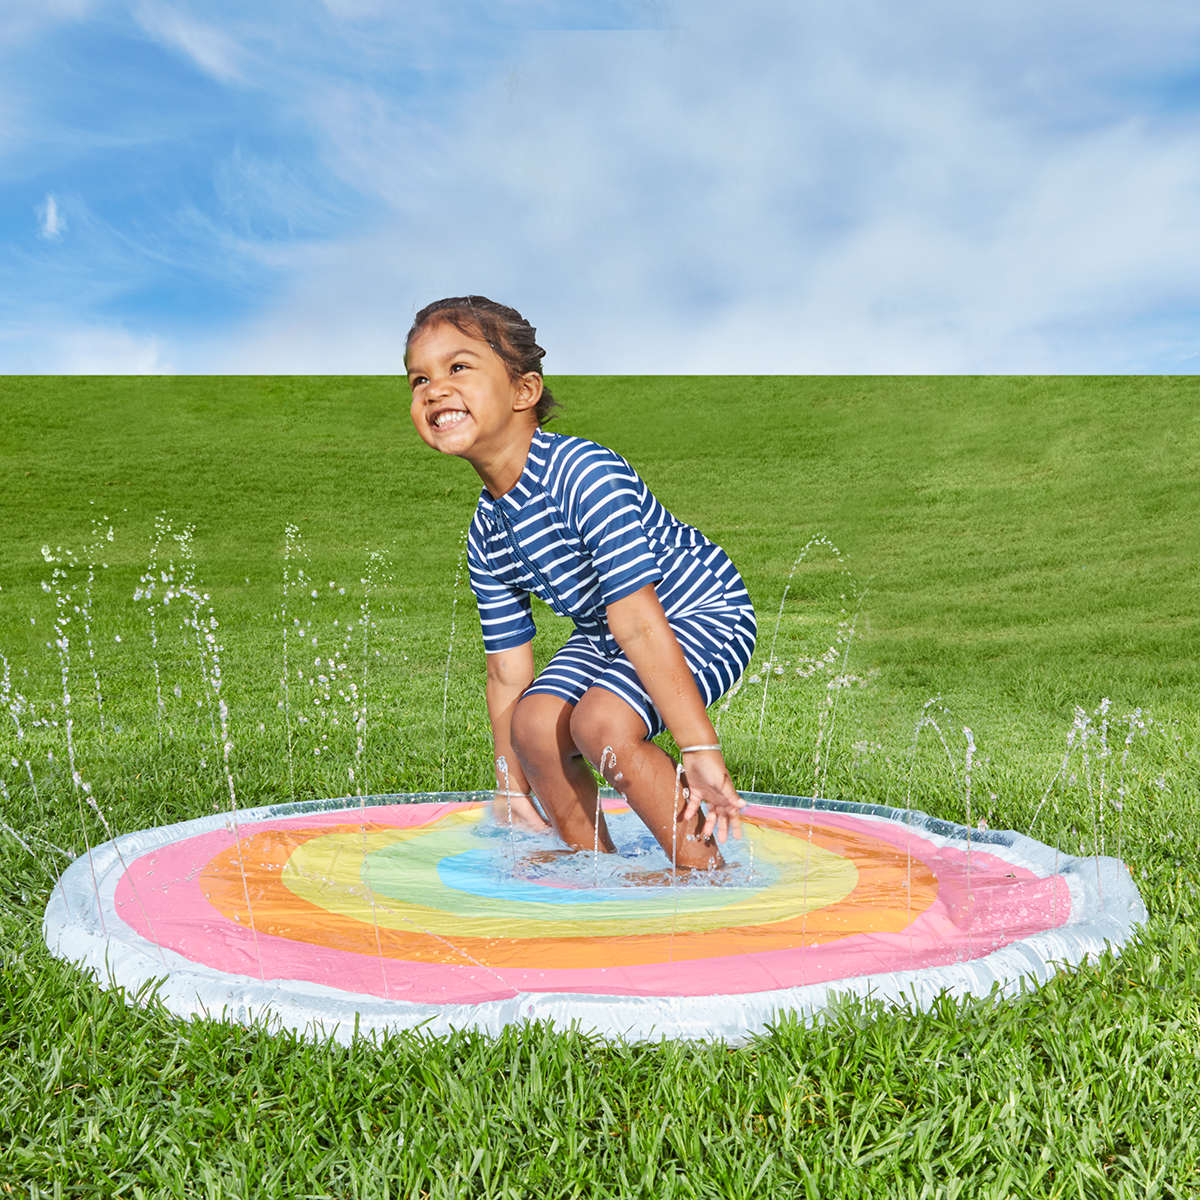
{"x": 503, "y": 328}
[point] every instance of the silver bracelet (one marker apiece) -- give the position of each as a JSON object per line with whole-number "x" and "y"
{"x": 501, "y": 792}
{"x": 689, "y": 749}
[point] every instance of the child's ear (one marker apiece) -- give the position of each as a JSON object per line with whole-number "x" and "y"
{"x": 529, "y": 392}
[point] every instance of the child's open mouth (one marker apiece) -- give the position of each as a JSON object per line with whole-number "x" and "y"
{"x": 448, "y": 417}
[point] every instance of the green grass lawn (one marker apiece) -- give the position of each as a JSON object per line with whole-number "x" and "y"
{"x": 999, "y": 555}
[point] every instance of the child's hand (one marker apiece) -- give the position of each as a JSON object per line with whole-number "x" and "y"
{"x": 709, "y": 784}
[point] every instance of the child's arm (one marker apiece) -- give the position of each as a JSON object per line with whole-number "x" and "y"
{"x": 641, "y": 629}
{"x": 509, "y": 673}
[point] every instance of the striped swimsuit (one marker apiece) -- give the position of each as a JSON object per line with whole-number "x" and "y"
{"x": 581, "y": 530}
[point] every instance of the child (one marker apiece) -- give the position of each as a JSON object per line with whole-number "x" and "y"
{"x": 663, "y": 623}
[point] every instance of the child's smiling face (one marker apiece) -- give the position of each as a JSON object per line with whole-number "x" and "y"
{"x": 464, "y": 402}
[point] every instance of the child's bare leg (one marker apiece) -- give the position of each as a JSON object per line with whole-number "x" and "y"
{"x": 643, "y": 773}
{"x": 541, "y": 736}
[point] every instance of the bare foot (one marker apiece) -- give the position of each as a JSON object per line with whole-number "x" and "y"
{"x": 547, "y": 856}
{"x": 666, "y": 877}
{"x": 532, "y": 864}
{"x": 522, "y": 813}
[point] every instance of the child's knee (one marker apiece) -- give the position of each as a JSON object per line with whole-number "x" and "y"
{"x": 599, "y": 723}
{"x": 524, "y": 728}
{"x": 535, "y": 727}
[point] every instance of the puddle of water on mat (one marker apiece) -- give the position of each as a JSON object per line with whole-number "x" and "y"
{"x": 638, "y": 864}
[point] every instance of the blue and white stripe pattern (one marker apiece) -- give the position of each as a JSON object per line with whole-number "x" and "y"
{"x": 581, "y": 530}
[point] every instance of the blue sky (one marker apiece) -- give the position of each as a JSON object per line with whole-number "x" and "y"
{"x": 661, "y": 187}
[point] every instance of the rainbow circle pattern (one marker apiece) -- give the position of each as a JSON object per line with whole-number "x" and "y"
{"x": 392, "y": 912}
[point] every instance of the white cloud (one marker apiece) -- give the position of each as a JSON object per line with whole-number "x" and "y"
{"x": 212, "y": 50}
{"x": 82, "y": 350}
{"x": 274, "y": 197}
{"x": 766, "y": 191}
{"x": 51, "y": 222}
{"x": 751, "y": 189}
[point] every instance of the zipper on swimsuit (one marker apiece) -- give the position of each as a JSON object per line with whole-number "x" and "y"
{"x": 551, "y": 595}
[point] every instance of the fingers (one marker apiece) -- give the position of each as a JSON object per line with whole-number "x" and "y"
{"x": 725, "y": 824}
{"x": 712, "y": 815}
{"x": 717, "y": 803}
{"x": 735, "y": 825}
{"x": 724, "y": 816}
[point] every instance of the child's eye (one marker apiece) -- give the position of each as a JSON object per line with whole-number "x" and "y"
{"x": 417, "y": 379}
{"x": 456, "y": 366}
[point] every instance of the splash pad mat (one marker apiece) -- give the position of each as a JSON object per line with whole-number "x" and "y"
{"x": 364, "y": 916}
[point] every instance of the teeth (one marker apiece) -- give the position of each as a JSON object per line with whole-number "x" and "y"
{"x": 445, "y": 419}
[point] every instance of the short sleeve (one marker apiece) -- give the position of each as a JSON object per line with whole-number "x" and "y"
{"x": 505, "y": 613}
{"x": 606, "y": 510}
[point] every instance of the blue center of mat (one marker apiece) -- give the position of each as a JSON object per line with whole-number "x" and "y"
{"x": 481, "y": 871}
